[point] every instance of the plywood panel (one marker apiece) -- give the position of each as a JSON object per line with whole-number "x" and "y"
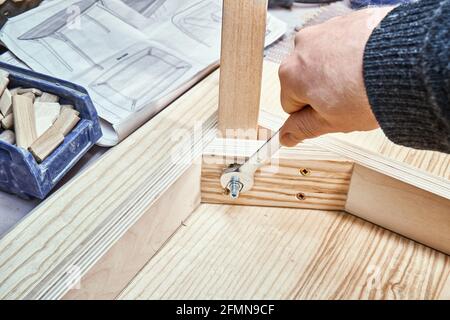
{"x": 127, "y": 257}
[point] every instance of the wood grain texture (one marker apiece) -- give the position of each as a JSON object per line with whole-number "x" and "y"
{"x": 43, "y": 146}
{"x": 280, "y": 183}
{"x": 67, "y": 120}
{"x": 127, "y": 257}
{"x": 24, "y": 121}
{"x": 79, "y": 223}
{"x": 241, "y": 62}
{"x": 6, "y": 103}
{"x": 233, "y": 252}
{"x": 395, "y": 205}
{"x": 8, "y": 121}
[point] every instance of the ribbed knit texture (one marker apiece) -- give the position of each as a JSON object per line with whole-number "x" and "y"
{"x": 407, "y": 74}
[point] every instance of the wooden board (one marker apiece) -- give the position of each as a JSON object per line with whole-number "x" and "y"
{"x": 243, "y": 34}
{"x": 302, "y": 177}
{"x": 78, "y": 224}
{"x": 234, "y": 252}
{"x": 395, "y": 205}
{"x": 112, "y": 273}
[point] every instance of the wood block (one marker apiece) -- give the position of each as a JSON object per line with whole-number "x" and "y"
{"x": 8, "y": 121}
{"x": 34, "y": 91}
{"x": 3, "y": 84}
{"x": 46, "y": 144}
{"x": 15, "y": 91}
{"x": 47, "y": 97}
{"x": 6, "y": 103}
{"x": 24, "y": 121}
{"x": 46, "y": 114}
{"x": 29, "y": 95}
{"x": 241, "y": 62}
{"x": 8, "y": 136}
{"x": 304, "y": 177}
{"x": 67, "y": 120}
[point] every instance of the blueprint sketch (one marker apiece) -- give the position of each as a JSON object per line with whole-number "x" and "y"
{"x": 133, "y": 56}
{"x": 200, "y": 21}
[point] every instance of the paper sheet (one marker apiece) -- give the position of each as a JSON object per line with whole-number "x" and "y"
{"x": 131, "y": 55}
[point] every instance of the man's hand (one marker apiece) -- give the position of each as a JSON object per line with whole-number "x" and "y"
{"x": 322, "y": 86}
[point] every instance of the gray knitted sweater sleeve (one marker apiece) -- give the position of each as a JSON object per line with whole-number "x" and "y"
{"x": 407, "y": 74}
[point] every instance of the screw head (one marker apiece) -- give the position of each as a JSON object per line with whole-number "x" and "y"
{"x": 305, "y": 172}
{"x": 300, "y": 196}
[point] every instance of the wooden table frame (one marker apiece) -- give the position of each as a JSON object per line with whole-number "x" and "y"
{"x": 107, "y": 223}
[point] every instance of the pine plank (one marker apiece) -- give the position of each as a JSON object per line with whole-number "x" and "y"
{"x": 234, "y": 252}
{"x": 281, "y": 183}
{"x": 241, "y": 62}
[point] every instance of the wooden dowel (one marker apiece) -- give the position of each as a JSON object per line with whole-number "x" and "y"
{"x": 34, "y": 91}
{"x": 67, "y": 120}
{"x": 24, "y": 121}
{"x": 8, "y": 121}
{"x": 6, "y": 103}
{"x": 47, "y": 97}
{"x": 46, "y": 114}
{"x": 3, "y": 84}
{"x": 243, "y": 34}
{"x": 46, "y": 143}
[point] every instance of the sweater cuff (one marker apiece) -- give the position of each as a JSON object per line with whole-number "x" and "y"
{"x": 399, "y": 62}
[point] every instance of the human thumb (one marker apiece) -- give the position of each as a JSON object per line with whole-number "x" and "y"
{"x": 304, "y": 124}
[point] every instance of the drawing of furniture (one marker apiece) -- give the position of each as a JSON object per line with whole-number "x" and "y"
{"x": 139, "y": 78}
{"x": 145, "y": 7}
{"x": 58, "y": 27}
{"x": 201, "y": 21}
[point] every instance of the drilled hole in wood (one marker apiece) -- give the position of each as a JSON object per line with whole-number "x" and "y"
{"x": 300, "y": 196}
{"x": 305, "y": 172}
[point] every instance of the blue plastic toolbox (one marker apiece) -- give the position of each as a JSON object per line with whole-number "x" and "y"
{"x": 19, "y": 172}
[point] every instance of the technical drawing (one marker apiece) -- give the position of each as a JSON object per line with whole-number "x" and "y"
{"x": 140, "y": 78}
{"x": 201, "y": 21}
{"x": 145, "y": 7}
{"x": 56, "y": 27}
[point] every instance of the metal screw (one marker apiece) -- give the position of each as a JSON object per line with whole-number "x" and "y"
{"x": 235, "y": 187}
{"x": 300, "y": 196}
{"x": 305, "y": 172}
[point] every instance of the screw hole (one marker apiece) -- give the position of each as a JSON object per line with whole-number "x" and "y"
{"x": 305, "y": 172}
{"x": 300, "y": 196}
